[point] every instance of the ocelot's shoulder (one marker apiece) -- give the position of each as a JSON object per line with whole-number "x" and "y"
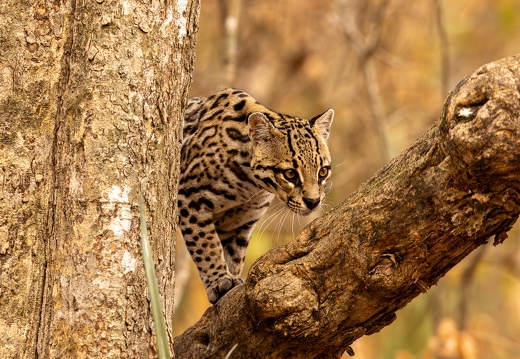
{"x": 232, "y": 100}
{"x": 231, "y": 92}
{"x": 231, "y": 97}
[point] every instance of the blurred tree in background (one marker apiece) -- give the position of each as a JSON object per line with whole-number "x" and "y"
{"x": 385, "y": 67}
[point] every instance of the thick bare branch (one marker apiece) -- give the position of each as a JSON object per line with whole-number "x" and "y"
{"x": 347, "y": 273}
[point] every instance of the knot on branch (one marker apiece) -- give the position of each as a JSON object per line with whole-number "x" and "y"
{"x": 286, "y": 302}
{"x": 481, "y": 121}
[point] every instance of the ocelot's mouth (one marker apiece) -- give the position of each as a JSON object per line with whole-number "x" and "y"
{"x": 298, "y": 208}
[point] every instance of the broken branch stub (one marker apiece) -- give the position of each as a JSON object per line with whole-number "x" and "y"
{"x": 348, "y": 272}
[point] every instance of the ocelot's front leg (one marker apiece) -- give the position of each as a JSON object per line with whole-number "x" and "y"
{"x": 205, "y": 248}
{"x": 235, "y": 242}
{"x": 235, "y": 227}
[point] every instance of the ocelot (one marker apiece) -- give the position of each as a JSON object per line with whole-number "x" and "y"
{"x": 236, "y": 156}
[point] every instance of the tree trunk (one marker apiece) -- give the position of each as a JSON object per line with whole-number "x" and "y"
{"x": 91, "y": 97}
{"x": 347, "y": 273}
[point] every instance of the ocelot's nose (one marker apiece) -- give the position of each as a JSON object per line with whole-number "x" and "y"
{"x": 311, "y": 203}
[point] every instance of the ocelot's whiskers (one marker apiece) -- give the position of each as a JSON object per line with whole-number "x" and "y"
{"x": 292, "y": 225}
{"x": 326, "y": 206}
{"x": 279, "y": 226}
{"x": 266, "y": 222}
{"x": 250, "y": 198}
{"x": 328, "y": 187}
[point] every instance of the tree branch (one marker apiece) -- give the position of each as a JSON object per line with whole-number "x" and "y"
{"x": 347, "y": 273}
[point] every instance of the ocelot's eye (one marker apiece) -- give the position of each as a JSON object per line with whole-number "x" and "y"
{"x": 323, "y": 172}
{"x": 290, "y": 175}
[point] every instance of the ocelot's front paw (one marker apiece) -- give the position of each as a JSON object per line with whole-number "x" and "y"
{"x": 221, "y": 286}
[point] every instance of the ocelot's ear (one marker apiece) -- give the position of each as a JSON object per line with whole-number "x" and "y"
{"x": 260, "y": 128}
{"x": 322, "y": 123}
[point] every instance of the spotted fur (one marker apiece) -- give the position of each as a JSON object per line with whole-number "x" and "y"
{"x": 236, "y": 156}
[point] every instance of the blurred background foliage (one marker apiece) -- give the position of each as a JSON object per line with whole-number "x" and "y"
{"x": 385, "y": 67}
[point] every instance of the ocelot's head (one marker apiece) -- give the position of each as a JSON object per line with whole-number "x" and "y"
{"x": 291, "y": 158}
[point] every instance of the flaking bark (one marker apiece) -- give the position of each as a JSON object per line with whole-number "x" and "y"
{"x": 348, "y": 272}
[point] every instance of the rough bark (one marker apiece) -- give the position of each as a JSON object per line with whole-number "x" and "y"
{"x": 347, "y": 273}
{"x": 91, "y": 96}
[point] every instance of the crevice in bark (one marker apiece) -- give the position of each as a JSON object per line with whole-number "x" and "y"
{"x": 59, "y": 139}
